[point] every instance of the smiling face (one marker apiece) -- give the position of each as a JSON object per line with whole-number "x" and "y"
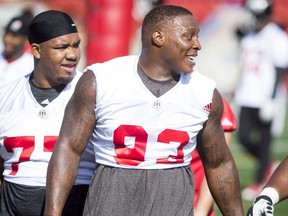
{"x": 169, "y": 42}
{"x": 181, "y": 44}
{"x": 57, "y": 60}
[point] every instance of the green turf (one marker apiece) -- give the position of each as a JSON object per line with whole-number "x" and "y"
{"x": 246, "y": 167}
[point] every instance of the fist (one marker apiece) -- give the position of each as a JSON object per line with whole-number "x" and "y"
{"x": 261, "y": 207}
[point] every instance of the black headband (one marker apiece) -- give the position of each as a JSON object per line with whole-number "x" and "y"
{"x": 50, "y": 24}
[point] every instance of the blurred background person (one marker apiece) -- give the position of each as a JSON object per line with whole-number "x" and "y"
{"x": 261, "y": 95}
{"x": 16, "y": 59}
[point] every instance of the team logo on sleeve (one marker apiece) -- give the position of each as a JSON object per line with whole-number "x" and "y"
{"x": 43, "y": 114}
{"x": 208, "y": 107}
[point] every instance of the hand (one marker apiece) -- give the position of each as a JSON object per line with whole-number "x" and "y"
{"x": 267, "y": 111}
{"x": 261, "y": 207}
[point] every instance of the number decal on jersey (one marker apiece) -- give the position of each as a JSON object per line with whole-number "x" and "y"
{"x": 49, "y": 143}
{"x": 133, "y": 152}
{"x": 168, "y": 136}
{"x": 251, "y": 63}
{"x": 27, "y": 144}
{"x": 130, "y": 144}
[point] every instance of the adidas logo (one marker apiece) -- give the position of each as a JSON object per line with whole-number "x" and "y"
{"x": 208, "y": 107}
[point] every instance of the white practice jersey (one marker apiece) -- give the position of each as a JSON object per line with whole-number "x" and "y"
{"x": 261, "y": 53}
{"x": 10, "y": 71}
{"x": 135, "y": 129}
{"x": 28, "y": 133}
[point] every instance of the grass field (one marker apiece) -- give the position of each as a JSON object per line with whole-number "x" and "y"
{"x": 246, "y": 167}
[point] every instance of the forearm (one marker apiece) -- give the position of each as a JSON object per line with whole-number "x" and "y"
{"x": 220, "y": 169}
{"x": 279, "y": 180}
{"x": 225, "y": 188}
{"x": 62, "y": 172}
{"x": 273, "y": 192}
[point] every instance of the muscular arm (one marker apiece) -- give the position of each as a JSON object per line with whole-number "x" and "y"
{"x": 76, "y": 129}
{"x": 279, "y": 180}
{"x": 205, "y": 200}
{"x": 220, "y": 169}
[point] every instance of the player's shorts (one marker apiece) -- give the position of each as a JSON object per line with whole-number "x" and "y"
{"x": 136, "y": 192}
{"x": 19, "y": 199}
{"x": 26, "y": 200}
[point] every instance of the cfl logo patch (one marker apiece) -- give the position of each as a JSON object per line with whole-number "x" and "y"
{"x": 157, "y": 104}
{"x": 43, "y": 114}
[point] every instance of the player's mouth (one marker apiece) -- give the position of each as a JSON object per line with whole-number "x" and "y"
{"x": 69, "y": 67}
{"x": 191, "y": 59}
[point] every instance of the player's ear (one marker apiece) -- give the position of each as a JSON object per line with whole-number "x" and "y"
{"x": 158, "y": 38}
{"x": 35, "y": 50}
